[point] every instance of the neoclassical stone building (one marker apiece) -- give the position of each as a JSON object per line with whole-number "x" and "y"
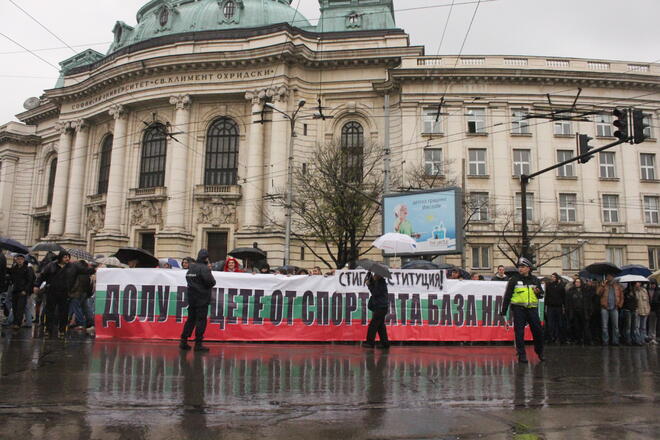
{"x": 161, "y": 142}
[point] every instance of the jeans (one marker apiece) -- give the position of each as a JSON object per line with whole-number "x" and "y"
{"x": 88, "y": 309}
{"x": 641, "y": 329}
{"x": 610, "y": 317}
{"x": 75, "y": 310}
{"x": 653, "y": 324}
{"x": 554, "y": 324}
{"x": 630, "y": 327}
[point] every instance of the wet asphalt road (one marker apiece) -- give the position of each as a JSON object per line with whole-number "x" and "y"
{"x": 83, "y": 389}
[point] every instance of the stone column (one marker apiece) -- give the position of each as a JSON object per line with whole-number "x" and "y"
{"x": 58, "y": 208}
{"x": 253, "y": 189}
{"x": 115, "y": 197}
{"x": 7, "y": 179}
{"x": 176, "y": 179}
{"x": 276, "y": 174}
{"x": 74, "y": 205}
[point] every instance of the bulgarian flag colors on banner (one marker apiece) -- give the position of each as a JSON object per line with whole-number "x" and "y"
{"x": 424, "y": 306}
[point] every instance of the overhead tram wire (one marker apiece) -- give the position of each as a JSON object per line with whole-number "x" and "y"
{"x": 42, "y": 26}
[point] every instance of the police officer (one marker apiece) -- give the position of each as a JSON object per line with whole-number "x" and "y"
{"x": 523, "y": 292}
{"x": 200, "y": 282}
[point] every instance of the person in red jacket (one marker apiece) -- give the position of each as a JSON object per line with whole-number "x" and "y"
{"x": 231, "y": 265}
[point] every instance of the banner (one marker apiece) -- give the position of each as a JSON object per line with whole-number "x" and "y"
{"x": 423, "y": 306}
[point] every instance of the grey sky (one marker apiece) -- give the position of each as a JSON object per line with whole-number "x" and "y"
{"x": 609, "y": 29}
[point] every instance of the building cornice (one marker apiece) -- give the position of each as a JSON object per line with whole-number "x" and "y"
{"x": 8, "y": 137}
{"x": 46, "y": 110}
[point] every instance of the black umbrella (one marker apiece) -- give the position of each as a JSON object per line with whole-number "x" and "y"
{"x": 248, "y": 253}
{"x": 421, "y": 265}
{"x": 635, "y": 269}
{"x": 145, "y": 258}
{"x": 603, "y": 268}
{"x": 47, "y": 246}
{"x": 377, "y": 268}
{"x": 13, "y": 246}
{"x": 288, "y": 269}
{"x": 445, "y": 266}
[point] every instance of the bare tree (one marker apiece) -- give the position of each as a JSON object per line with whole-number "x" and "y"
{"x": 546, "y": 236}
{"x": 337, "y": 202}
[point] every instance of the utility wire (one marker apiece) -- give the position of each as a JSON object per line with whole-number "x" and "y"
{"x": 42, "y": 26}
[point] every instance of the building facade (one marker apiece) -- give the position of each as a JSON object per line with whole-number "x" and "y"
{"x": 170, "y": 141}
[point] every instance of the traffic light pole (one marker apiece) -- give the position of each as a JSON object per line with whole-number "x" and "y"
{"x": 524, "y": 181}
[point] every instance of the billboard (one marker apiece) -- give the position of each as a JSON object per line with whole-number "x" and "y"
{"x": 433, "y": 218}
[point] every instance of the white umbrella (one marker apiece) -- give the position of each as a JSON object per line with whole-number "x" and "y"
{"x": 632, "y": 279}
{"x": 396, "y": 243}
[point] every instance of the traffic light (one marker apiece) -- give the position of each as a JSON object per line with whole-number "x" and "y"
{"x": 621, "y": 124}
{"x": 638, "y": 127}
{"x": 584, "y": 147}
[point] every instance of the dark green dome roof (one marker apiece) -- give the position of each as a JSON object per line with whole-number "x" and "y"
{"x": 166, "y": 17}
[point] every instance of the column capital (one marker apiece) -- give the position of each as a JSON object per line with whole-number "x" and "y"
{"x": 80, "y": 125}
{"x": 279, "y": 94}
{"x": 258, "y": 96}
{"x": 118, "y": 111}
{"x": 64, "y": 127}
{"x": 182, "y": 102}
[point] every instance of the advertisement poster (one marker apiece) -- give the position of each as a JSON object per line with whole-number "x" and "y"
{"x": 432, "y": 218}
{"x": 423, "y": 306}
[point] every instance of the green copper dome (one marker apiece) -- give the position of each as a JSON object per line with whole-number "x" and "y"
{"x": 166, "y": 17}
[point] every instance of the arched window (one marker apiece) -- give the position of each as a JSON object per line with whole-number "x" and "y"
{"x": 221, "y": 153}
{"x": 352, "y": 143}
{"x": 154, "y": 155}
{"x": 104, "y": 168}
{"x": 229, "y": 10}
{"x": 51, "y": 180}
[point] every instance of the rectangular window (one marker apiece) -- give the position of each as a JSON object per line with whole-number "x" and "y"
{"x": 567, "y": 170}
{"x": 476, "y": 118}
{"x": 521, "y": 162}
{"x": 148, "y": 242}
{"x": 610, "y": 208}
{"x": 604, "y": 125}
{"x": 607, "y": 165}
{"x": 615, "y": 255}
{"x": 477, "y": 162}
{"x": 570, "y": 259}
{"x": 652, "y": 210}
{"x": 519, "y": 123}
{"x": 302, "y": 253}
{"x": 478, "y": 206}
{"x": 647, "y": 163}
{"x": 567, "y": 208}
{"x": 480, "y": 257}
{"x": 530, "y": 207}
{"x": 304, "y": 129}
{"x": 433, "y": 161}
{"x": 654, "y": 258}
{"x": 562, "y": 128}
{"x": 648, "y": 120}
{"x": 216, "y": 243}
{"x": 432, "y": 121}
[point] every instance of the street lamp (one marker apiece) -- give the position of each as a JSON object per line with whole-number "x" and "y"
{"x": 289, "y": 184}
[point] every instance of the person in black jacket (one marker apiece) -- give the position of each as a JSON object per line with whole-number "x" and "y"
{"x": 555, "y": 301}
{"x": 200, "y": 282}
{"x": 579, "y": 306}
{"x": 60, "y": 276}
{"x": 523, "y": 292}
{"x": 378, "y": 304}
{"x": 22, "y": 279}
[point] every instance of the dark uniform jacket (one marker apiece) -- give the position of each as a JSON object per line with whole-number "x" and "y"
{"x": 529, "y": 280}
{"x": 200, "y": 282}
{"x": 60, "y": 279}
{"x": 22, "y": 278}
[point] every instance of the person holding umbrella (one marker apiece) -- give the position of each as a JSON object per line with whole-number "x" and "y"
{"x": 523, "y": 292}
{"x": 200, "y": 282}
{"x": 611, "y": 301}
{"x": 378, "y": 303}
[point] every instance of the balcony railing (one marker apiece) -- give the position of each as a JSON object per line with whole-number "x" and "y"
{"x": 224, "y": 191}
{"x": 155, "y": 193}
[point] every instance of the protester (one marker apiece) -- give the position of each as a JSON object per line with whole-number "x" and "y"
{"x": 580, "y": 308}
{"x": 80, "y": 291}
{"x": 231, "y": 265}
{"x": 611, "y": 301}
{"x": 555, "y": 300}
{"x": 500, "y": 275}
{"x": 200, "y": 282}
{"x": 643, "y": 311}
{"x": 629, "y": 311}
{"x": 378, "y": 304}
{"x": 523, "y": 292}
{"x": 264, "y": 269}
{"x": 59, "y": 276}
{"x": 654, "y": 298}
{"x": 186, "y": 262}
{"x": 595, "y": 326}
{"x": 316, "y": 270}
{"x": 22, "y": 279}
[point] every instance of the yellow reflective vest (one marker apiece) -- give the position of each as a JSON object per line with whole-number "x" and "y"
{"x": 523, "y": 295}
